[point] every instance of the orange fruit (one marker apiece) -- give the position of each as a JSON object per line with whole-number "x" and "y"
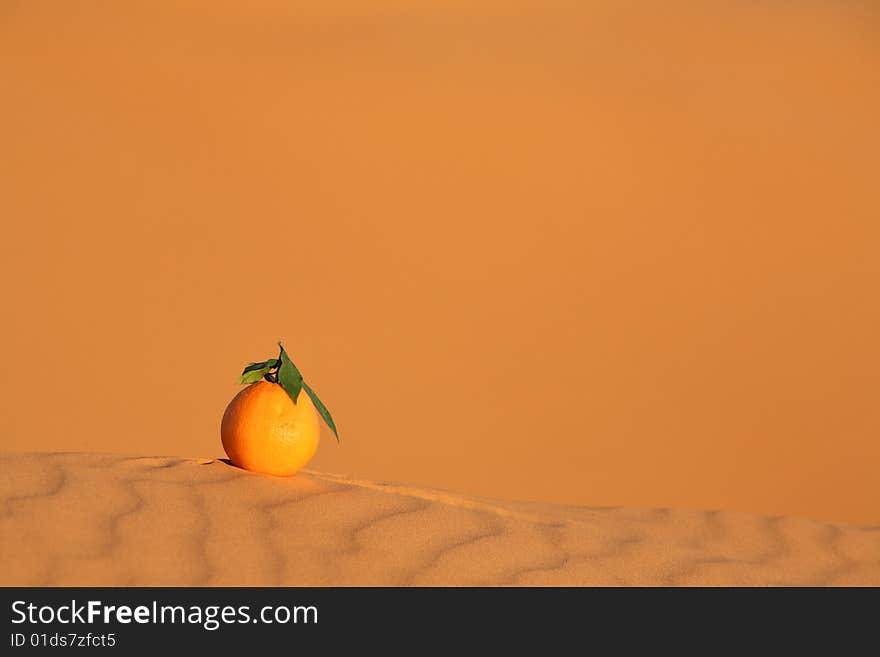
{"x": 264, "y": 431}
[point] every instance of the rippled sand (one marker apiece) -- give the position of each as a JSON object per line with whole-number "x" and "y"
{"x": 95, "y": 519}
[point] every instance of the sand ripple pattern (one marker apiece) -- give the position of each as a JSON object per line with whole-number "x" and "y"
{"x": 95, "y": 519}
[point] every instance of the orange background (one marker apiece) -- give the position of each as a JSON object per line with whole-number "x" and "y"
{"x": 586, "y": 252}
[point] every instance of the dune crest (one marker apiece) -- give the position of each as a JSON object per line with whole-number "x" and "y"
{"x": 96, "y": 519}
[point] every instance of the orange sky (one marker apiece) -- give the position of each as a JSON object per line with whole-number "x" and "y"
{"x": 568, "y": 251}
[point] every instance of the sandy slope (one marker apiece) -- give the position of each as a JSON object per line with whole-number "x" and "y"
{"x": 92, "y": 519}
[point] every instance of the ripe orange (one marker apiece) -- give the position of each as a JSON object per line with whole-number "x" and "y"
{"x": 264, "y": 431}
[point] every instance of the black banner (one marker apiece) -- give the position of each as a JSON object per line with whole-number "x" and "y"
{"x": 134, "y": 620}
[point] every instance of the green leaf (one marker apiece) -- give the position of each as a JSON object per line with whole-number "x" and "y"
{"x": 266, "y": 364}
{"x": 256, "y": 371}
{"x": 288, "y": 375}
{"x": 252, "y": 377}
{"x": 321, "y": 409}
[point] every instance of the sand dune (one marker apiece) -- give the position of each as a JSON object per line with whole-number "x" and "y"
{"x": 94, "y": 519}
{"x": 659, "y": 218}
